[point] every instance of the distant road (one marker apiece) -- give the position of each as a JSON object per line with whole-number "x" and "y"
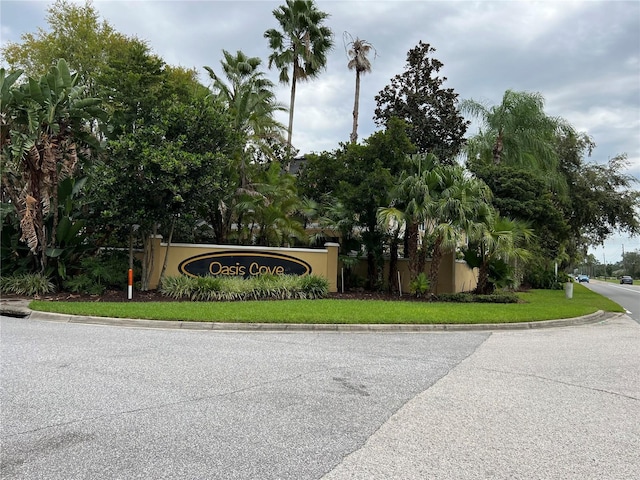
{"x": 627, "y": 296}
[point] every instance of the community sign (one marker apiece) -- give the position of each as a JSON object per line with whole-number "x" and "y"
{"x": 243, "y": 264}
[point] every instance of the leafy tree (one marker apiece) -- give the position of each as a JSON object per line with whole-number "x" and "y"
{"x": 631, "y": 263}
{"x": 430, "y": 111}
{"x": 45, "y": 136}
{"x": 75, "y": 34}
{"x": 301, "y": 46}
{"x": 358, "y": 179}
{"x": 170, "y": 165}
{"x": 602, "y": 199}
{"x": 358, "y": 61}
{"x": 528, "y": 159}
{"x": 523, "y": 194}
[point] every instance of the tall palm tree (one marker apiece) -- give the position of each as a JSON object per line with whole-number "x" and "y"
{"x": 302, "y": 45}
{"x": 358, "y": 61}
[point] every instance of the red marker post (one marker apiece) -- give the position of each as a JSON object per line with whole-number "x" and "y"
{"x": 130, "y": 284}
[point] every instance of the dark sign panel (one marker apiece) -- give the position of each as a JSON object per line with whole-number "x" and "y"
{"x": 243, "y": 264}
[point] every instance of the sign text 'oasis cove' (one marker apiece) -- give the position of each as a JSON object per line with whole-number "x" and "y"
{"x": 243, "y": 264}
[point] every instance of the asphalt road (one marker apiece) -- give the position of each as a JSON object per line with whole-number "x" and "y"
{"x": 627, "y": 296}
{"x": 102, "y": 402}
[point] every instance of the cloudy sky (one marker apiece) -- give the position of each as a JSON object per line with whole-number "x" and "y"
{"x": 582, "y": 56}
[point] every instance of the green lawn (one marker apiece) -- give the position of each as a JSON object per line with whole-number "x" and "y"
{"x": 536, "y": 305}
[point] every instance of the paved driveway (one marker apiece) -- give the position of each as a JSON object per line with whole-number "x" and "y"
{"x": 86, "y": 401}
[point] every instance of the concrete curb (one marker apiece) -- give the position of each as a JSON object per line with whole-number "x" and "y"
{"x": 18, "y": 308}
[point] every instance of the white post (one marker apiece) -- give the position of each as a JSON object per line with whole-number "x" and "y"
{"x": 399, "y": 284}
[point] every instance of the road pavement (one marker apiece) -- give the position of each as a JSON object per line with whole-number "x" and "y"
{"x": 94, "y": 401}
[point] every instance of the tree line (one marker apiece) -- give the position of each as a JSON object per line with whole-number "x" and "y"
{"x": 106, "y": 145}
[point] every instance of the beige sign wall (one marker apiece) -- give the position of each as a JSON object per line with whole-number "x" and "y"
{"x": 323, "y": 262}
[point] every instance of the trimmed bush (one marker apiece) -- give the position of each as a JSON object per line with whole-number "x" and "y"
{"x": 314, "y": 286}
{"x": 261, "y": 287}
{"x": 472, "y": 298}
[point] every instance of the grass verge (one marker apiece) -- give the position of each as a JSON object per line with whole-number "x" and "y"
{"x": 536, "y": 305}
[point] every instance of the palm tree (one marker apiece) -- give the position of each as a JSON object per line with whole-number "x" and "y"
{"x": 270, "y": 211}
{"x": 302, "y": 44}
{"x": 517, "y": 132}
{"x": 459, "y": 202}
{"x": 410, "y": 206}
{"x": 500, "y": 241}
{"x": 444, "y": 198}
{"x": 359, "y": 62}
{"x": 251, "y": 102}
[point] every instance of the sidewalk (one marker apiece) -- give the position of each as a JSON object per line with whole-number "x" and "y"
{"x": 565, "y": 404}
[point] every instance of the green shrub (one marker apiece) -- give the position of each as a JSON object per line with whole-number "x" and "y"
{"x": 99, "y": 273}
{"x": 177, "y": 287}
{"x": 473, "y": 298}
{"x": 419, "y": 285}
{"x": 314, "y": 286}
{"x": 28, "y": 284}
{"x": 206, "y": 288}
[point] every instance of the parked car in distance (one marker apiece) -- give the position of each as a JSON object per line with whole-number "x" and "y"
{"x": 583, "y": 278}
{"x": 626, "y": 279}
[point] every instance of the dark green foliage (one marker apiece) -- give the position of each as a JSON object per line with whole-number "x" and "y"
{"x": 15, "y": 256}
{"x": 431, "y": 111}
{"x": 357, "y": 179}
{"x": 472, "y": 298}
{"x": 545, "y": 279}
{"x": 95, "y": 275}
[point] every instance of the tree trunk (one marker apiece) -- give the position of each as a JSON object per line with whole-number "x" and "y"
{"x": 148, "y": 260}
{"x": 484, "y": 287}
{"x": 356, "y": 108}
{"x": 393, "y": 265}
{"x": 291, "y": 105}
{"x": 436, "y": 260}
{"x": 412, "y": 249}
{"x": 166, "y": 252}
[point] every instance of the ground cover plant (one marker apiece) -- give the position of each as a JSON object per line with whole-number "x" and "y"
{"x": 261, "y": 287}
{"x": 535, "y": 305}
